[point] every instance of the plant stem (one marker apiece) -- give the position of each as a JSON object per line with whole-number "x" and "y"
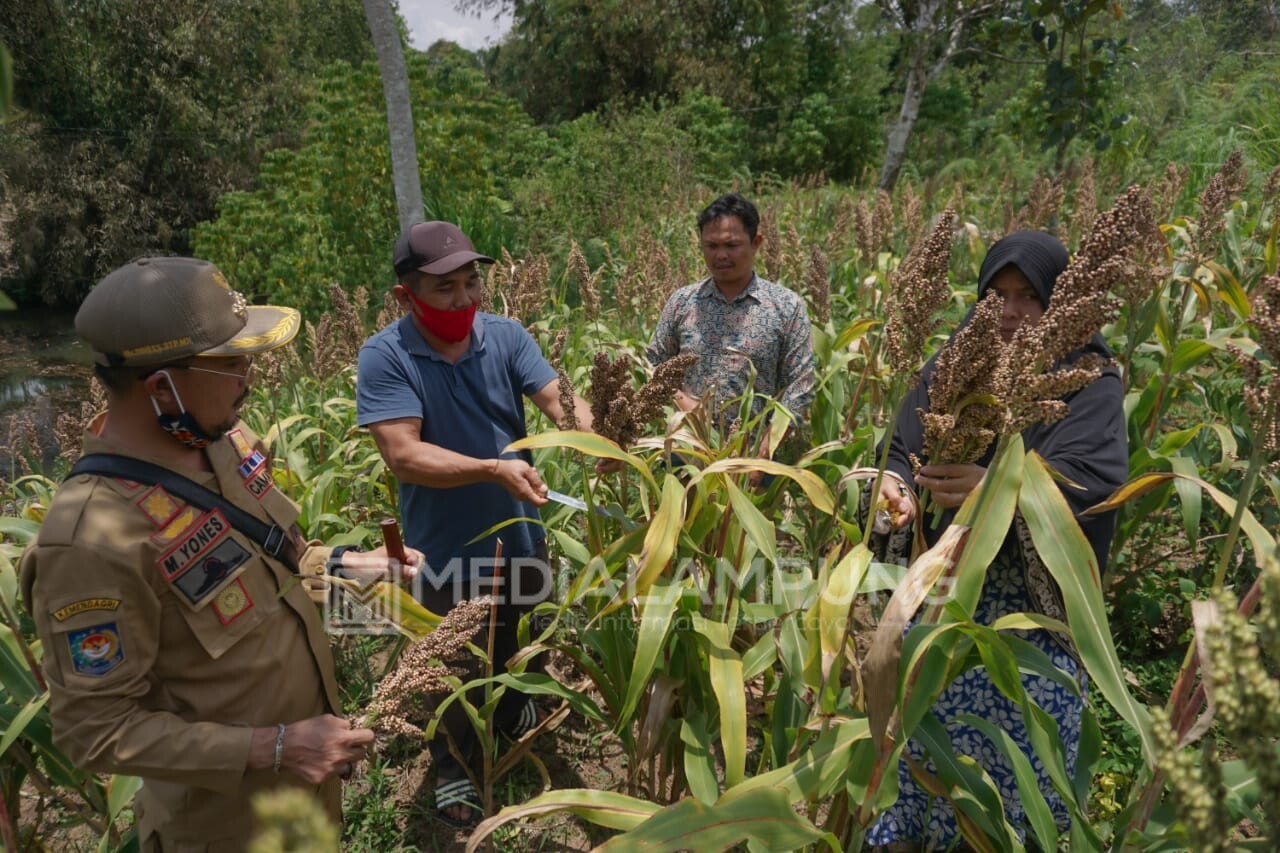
{"x": 8, "y": 826}
{"x": 882, "y": 464}
{"x": 489, "y": 734}
{"x": 15, "y": 625}
{"x": 1168, "y": 366}
{"x": 594, "y": 537}
{"x": 1184, "y": 702}
{"x": 1183, "y": 711}
{"x": 44, "y": 786}
{"x": 1257, "y": 459}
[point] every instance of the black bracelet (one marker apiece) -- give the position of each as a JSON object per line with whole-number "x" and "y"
{"x": 335, "y": 556}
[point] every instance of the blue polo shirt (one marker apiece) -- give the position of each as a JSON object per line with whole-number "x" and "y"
{"x": 474, "y": 407}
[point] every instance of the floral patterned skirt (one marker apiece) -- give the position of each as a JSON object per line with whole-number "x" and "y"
{"x": 919, "y": 817}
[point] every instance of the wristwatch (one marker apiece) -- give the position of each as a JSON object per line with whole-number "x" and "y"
{"x": 334, "y": 566}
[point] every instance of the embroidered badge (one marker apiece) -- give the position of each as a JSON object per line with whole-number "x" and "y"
{"x": 203, "y": 576}
{"x": 129, "y": 485}
{"x": 231, "y": 602}
{"x": 194, "y": 542}
{"x": 159, "y": 506}
{"x": 251, "y": 463}
{"x": 62, "y": 614}
{"x": 260, "y": 482}
{"x": 240, "y": 443}
{"x": 181, "y": 523}
{"x": 97, "y": 650}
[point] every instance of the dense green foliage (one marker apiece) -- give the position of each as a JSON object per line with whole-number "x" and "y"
{"x": 805, "y": 79}
{"x": 119, "y": 145}
{"x": 326, "y": 212}
{"x": 132, "y": 118}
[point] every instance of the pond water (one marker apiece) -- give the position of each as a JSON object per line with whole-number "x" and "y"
{"x": 44, "y": 370}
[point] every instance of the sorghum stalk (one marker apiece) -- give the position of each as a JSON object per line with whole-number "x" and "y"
{"x": 1257, "y": 461}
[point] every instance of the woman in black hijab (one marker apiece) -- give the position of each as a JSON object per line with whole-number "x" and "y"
{"x": 1089, "y": 449}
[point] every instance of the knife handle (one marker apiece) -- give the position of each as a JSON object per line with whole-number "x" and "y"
{"x": 391, "y": 538}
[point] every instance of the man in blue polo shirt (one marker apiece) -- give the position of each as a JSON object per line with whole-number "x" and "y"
{"x": 442, "y": 391}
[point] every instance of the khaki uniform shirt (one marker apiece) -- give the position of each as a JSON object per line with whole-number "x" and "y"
{"x": 168, "y": 636}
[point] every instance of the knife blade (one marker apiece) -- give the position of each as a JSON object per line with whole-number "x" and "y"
{"x": 561, "y": 498}
{"x": 581, "y": 506}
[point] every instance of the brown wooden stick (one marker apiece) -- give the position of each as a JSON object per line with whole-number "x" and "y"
{"x": 392, "y": 539}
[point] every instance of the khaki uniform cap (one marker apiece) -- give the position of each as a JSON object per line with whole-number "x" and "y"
{"x": 156, "y": 311}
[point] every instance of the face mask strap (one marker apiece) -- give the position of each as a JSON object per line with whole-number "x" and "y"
{"x": 183, "y": 426}
{"x": 182, "y": 410}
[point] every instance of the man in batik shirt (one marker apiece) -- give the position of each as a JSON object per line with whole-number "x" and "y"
{"x": 738, "y": 323}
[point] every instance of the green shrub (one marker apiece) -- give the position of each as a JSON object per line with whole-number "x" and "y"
{"x": 326, "y": 212}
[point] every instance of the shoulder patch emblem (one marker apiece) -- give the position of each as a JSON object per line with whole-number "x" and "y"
{"x": 231, "y": 602}
{"x": 96, "y": 650}
{"x": 251, "y": 463}
{"x": 184, "y": 520}
{"x": 62, "y": 614}
{"x": 159, "y": 506}
{"x": 240, "y": 443}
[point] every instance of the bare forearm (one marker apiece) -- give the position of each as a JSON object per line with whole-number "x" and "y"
{"x": 437, "y": 467}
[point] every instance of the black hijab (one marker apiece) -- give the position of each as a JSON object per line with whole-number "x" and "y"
{"x": 1037, "y": 255}
{"x": 1041, "y": 258}
{"x": 1089, "y": 447}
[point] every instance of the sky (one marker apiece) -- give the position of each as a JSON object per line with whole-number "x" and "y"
{"x": 431, "y": 20}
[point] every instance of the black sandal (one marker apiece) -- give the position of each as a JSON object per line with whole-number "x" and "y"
{"x": 528, "y": 720}
{"x": 452, "y": 793}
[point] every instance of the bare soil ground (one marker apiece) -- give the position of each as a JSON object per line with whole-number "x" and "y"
{"x": 571, "y": 756}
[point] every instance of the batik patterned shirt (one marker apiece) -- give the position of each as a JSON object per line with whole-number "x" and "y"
{"x": 765, "y": 328}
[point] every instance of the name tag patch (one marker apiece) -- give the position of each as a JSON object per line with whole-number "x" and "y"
{"x": 193, "y": 542}
{"x": 96, "y": 650}
{"x": 260, "y": 482}
{"x": 62, "y": 614}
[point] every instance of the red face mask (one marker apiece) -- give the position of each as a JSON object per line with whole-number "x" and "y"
{"x": 448, "y": 326}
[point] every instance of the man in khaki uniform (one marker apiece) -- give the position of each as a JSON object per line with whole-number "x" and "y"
{"x": 175, "y": 647}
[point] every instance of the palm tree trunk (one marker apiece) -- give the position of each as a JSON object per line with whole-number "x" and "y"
{"x": 395, "y": 89}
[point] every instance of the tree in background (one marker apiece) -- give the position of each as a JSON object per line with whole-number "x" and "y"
{"x": 6, "y": 80}
{"x": 6, "y": 98}
{"x": 389, "y": 46}
{"x": 1240, "y": 23}
{"x": 1079, "y": 71}
{"x": 132, "y": 117}
{"x": 797, "y": 71}
{"x": 932, "y": 34}
{"x": 325, "y": 213}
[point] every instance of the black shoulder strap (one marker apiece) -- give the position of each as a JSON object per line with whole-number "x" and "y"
{"x": 271, "y": 537}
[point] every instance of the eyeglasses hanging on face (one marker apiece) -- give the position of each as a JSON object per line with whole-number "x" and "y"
{"x": 243, "y": 377}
